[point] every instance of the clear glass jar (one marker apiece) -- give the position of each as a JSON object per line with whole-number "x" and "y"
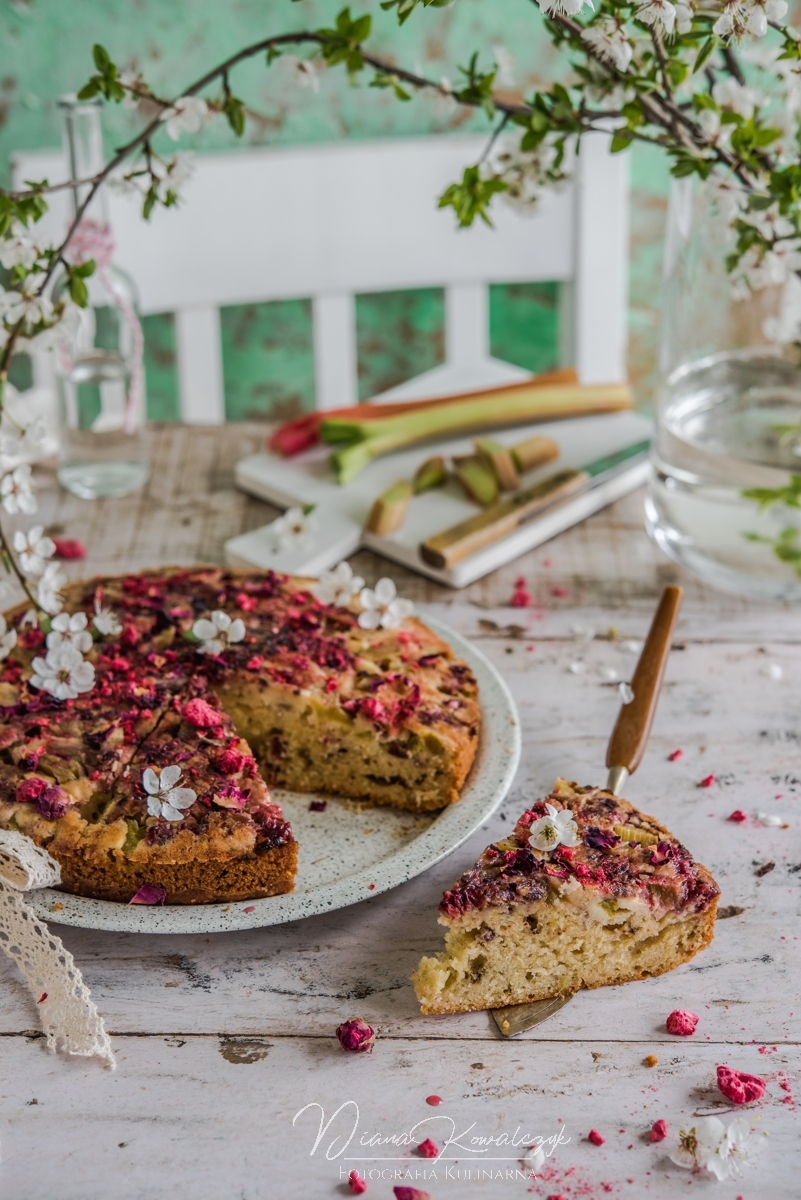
{"x": 727, "y": 450}
{"x": 100, "y": 379}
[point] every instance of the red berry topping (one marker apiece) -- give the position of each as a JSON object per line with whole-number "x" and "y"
{"x": 595, "y": 1137}
{"x": 659, "y": 1131}
{"x": 707, "y": 781}
{"x": 739, "y": 1086}
{"x": 200, "y": 714}
{"x": 675, "y": 756}
{"x": 681, "y": 1022}
{"x": 738, "y": 816}
{"x": 356, "y": 1184}
{"x": 428, "y": 1149}
{"x": 30, "y": 789}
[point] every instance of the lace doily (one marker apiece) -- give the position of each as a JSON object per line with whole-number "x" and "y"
{"x": 70, "y": 1020}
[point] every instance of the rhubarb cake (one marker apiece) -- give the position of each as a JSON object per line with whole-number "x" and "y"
{"x": 139, "y": 733}
{"x": 587, "y": 891}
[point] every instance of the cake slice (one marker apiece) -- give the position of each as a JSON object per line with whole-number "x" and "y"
{"x": 587, "y": 891}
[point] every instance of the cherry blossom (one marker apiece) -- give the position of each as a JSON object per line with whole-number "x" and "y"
{"x": 66, "y": 630}
{"x": 383, "y": 607}
{"x": 571, "y": 8}
{"x": 339, "y": 586}
{"x": 217, "y": 633}
{"x": 48, "y": 588}
{"x": 63, "y": 672}
{"x": 556, "y": 829}
{"x": 657, "y": 12}
{"x": 736, "y": 97}
{"x": 16, "y": 492}
{"x": 18, "y": 250}
{"x": 33, "y": 549}
{"x": 105, "y": 621}
{"x": 608, "y": 39}
{"x": 8, "y": 638}
{"x": 294, "y": 530}
{"x": 164, "y": 799}
{"x": 27, "y": 306}
{"x": 186, "y": 116}
{"x": 710, "y": 1146}
{"x": 684, "y": 18}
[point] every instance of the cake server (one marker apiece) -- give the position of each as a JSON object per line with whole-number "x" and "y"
{"x": 623, "y": 756}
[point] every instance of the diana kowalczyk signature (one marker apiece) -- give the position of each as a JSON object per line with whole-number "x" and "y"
{"x": 464, "y": 1141}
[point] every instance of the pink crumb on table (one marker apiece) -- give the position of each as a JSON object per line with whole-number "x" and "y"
{"x": 595, "y": 1137}
{"x": 428, "y": 1149}
{"x": 521, "y": 597}
{"x": 707, "y": 781}
{"x": 433, "y": 1100}
{"x": 739, "y": 1086}
{"x": 659, "y": 1131}
{"x": 675, "y": 756}
{"x": 681, "y": 1022}
{"x": 738, "y": 816}
{"x": 356, "y": 1183}
{"x": 69, "y": 548}
{"x": 559, "y": 592}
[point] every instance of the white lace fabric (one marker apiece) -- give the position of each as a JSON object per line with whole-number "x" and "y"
{"x": 70, "y": 1019}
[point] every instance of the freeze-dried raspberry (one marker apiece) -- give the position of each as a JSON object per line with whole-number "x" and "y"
{"x": 428, "y": 1149}
{"x": 681, "y": 1022}
{"x": 595, "y": 1137}
{"x": 739, "y": 1086}
{"x": 659, "y": 1131}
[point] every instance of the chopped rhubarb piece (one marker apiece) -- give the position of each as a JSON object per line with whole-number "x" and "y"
{"x": 69, "y": 548}
{"x": 595, "y": 1137}
{"x": 356, "y": 1035}
{"x": 149, "y": 893}
{"x": 356, "y": 1184}
{"x": 428, "y": 1149}
{"x": 739, "y": 1086}
{"x": 681, "y": 1022}
{"x": 737, "y": 816}
{"x": 659, "y": 1131}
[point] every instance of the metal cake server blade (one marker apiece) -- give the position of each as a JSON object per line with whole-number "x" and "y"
{"x": 623, "y": 756}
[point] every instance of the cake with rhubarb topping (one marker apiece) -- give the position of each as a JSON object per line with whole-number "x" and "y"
{"x": 140, "y": 728}
{"x": 587, "y": 891}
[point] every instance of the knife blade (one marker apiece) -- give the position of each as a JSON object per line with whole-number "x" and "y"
{"x": 451, "y": 545}
{"x": 623, "y": 756}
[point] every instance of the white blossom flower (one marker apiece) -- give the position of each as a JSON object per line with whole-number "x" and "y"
{"x": 27, "y": 305}
{"x": 657, "y": 12}
{"x": 218, "y": 633}
{"x": 164, "y": 799}
{"x": 526, "y": 172}
{"x": 306, "y": 75}
{"x": 33, "y": 549}
{"x": 534, "y": 1159}
{"x": 66, "y": 630}
{"x": 179, "y": 169}
{"x": 64, "y": 673}
{"x": 130, "y": 79}
{"x": 383, "y": 607}
{"x": 105, "y": 621}
{"x": 770, "y": 223}
{"x": 8, "y": 638}
{"x": 709, "y": 1146}
{"x": 736, "y": 97}
{"x": 294, "y": 530}
{"x": 770, "y": 820}
{"x": 186, "y": 116}
{"x": 556, "y": 829}
{"x": 18, "y": 250}
{"x": 608, "y": 39}
{"x": 505, "y": 65}
{"x": 339, "y": 586}
{"x": 684, "y": 18}
{"x": 626, "y": 692}
{"x": 16, "y": 492}
{"x": 571, "y": 8}
{"x": 727, "y": 193}
{"x": 48, "y": 588}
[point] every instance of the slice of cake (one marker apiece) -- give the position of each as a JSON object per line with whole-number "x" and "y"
{"x": 586, "y": 892}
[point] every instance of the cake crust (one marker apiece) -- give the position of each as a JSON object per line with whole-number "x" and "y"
{"x": 625, "y": 902}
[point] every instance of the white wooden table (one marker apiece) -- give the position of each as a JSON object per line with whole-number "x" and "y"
{"x": 222, "y": 1039}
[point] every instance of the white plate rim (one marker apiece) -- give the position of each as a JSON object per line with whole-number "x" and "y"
{"x": 489, "y": 781}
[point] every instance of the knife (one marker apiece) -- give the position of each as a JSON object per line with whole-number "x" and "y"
{"x": 451, "y": 545}
{"x": 623, "y": 756}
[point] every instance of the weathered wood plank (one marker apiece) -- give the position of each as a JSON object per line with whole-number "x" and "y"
{"x": 211, "y": 1118}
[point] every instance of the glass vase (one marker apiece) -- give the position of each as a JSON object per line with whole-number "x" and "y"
{"x": 99, "y": 372}
{"x": 726, "y": 484}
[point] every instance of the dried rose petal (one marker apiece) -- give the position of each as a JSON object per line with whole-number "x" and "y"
{"x": 428, "y": 1149}
{"x": 200, "y": 714}
{"x": 681, "y": 1022}
{"x": 53, "y": 802}
{"x": 659, "y": 1131}
{"x": 595, "y": 1137}
{"x": 356, "y": 1035}
{"x": 230, "y": 796}
{"x": 30, "y": 789}
{"x": 738, "y": 816}
{"x": 149, "y": 893}
{"x": 739, "y": 1086}
{"x": 318, "y": 806}
{"x": 407, "y": 1193}
{"x": 356, "y": 1183}
{"x": 598, "y": 839}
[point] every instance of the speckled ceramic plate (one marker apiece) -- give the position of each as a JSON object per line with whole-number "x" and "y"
{"x": 347, "y": 853}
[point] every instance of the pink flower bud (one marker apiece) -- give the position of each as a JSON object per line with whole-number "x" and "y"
{"x": 356, "y": 1035}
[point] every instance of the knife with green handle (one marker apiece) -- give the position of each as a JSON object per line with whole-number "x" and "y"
{"x": 499, "y": 520}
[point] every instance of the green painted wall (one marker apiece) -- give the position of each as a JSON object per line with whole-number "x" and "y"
{"x": 45, "y": 50}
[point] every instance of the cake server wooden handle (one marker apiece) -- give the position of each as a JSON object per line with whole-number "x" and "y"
{"x": 633, "y": 725}
{"x": 453, "y": 544}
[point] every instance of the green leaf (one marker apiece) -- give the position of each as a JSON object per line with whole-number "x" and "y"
{"x": 101, "y": 57}
{"x": 78, "y": 290}
{"x": 704, "y": 53}
{"x": 470, "y": 198}
{"x": 150, "y": 202}
{"x": 621, "y": 140}
{"x": 235, "y": 114}
{"x": 90, "y": 89}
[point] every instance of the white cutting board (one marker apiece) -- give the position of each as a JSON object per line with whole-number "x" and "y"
{"x": 342, "y": 511}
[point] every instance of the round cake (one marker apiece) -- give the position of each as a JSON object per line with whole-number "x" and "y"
{"x": 140, "y": 728}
